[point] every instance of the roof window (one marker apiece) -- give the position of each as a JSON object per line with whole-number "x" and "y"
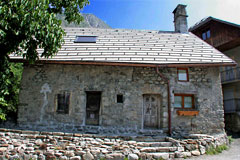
{"x": 85, "y": 39}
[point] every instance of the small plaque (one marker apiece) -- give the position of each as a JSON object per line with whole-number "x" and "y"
{"x": 92, "y": 116}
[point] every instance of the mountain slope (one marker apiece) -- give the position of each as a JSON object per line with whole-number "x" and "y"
{"x": 90, "y": 21}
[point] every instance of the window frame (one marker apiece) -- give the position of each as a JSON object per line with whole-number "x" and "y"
{"x": 66, "y": 108}
{"x": 186, "y": 69}
{"x": 182, "y": 100}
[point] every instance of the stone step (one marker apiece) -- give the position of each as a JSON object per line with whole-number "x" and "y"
{"x": 154, "y": 144}
{"x": 157, "y": 149}
{"x": 157, "y": 155}
{"x": 150, "y": 138}
{"x": 151, "y": 132}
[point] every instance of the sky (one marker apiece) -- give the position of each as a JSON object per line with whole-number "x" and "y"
{"x": 157, "y": 14}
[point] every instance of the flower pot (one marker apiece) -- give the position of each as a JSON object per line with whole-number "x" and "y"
{"x": 187, "y": 113}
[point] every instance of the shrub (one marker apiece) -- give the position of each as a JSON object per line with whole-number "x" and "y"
{"x": 230, "y": 139}
{"x": 218, "y": 149}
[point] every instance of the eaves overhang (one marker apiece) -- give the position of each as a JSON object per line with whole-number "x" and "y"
{"x": 170, "y": 65}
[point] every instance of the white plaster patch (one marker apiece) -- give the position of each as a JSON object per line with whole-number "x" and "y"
{"x": 45, "y": 89}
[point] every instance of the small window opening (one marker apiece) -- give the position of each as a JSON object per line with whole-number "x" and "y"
{"x": 63, "y": 101}
{"x": 184, "y": 101}
{"x": 204, "y": 37}
{"x": 183, "y": 74}
{"x": 206, "y": 34}
{"x": 119, "y": 98}
{"x": 85, "y": 39}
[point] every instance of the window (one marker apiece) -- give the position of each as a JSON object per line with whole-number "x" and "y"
{"x": 85, "y": 39}
{"x": 119, "y": 98}
{"x": 63, "y": 100}
{"x": 206, "y": 34}
{"x": 182, "y": 74}
{"x": 204, "y": 37}
{"x": 184, "y": 101}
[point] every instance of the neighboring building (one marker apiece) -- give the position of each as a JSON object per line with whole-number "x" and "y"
{"x": 225, "y": 37}
{"x": 126, "y": 81}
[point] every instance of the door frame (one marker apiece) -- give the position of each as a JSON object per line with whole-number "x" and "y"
{"x": 100, "y": 104}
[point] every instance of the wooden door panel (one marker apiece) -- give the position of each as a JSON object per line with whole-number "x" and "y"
{"x": 151, "y": 107}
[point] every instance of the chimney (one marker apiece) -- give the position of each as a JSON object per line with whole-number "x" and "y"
{"x": 180, "y": 19}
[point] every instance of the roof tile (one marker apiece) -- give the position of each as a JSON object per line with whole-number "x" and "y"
{"x": 136, "y": 46}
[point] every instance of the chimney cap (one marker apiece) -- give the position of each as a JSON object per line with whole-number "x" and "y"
{"x": 178, "y": 6}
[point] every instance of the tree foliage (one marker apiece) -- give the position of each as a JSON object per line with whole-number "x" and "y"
{"x": 25, "y": 26}
{"x": 10, "y": 90}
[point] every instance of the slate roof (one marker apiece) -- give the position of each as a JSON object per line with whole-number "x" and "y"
{"x": 137, "y": 47}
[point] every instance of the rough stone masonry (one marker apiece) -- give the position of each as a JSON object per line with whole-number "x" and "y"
{"x": 120, "y": 94}
{"x": 27, "y": 145}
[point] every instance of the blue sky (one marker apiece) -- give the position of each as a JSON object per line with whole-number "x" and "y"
{"x": 157, "y": 14}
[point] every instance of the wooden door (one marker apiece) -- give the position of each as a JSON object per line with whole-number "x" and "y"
{"x": 151, "y": 109}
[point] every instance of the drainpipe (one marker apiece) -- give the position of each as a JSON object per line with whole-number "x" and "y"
{"x": 169, "y": 101}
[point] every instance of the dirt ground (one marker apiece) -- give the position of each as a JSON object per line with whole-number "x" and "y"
{"x": 233, "y": 153}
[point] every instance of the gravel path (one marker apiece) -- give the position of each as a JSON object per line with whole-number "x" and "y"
{"x": 232, "y": 154}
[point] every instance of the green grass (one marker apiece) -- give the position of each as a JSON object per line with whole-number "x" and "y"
{"x": 217, "y": 150}
{"x": 230, "y": 139}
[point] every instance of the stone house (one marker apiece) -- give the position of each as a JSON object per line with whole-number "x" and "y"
{"x": 121, "y": 81}
{"x": 225, "y": 37}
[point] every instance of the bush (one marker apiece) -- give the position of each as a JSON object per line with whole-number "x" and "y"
{"x": 218, "y": 149}
{"x": 230, "y": 139}
{"x": 9, "y": 89}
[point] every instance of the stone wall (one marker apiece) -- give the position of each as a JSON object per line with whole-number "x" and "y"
{"x": 205, "y": 85}
{"x": 22, "y": 144}
{"x": 41, "y": 84}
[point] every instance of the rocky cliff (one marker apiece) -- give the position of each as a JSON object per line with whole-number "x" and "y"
{"x": 90, "y": 21}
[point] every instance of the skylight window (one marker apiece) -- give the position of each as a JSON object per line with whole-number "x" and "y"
{"x": 85, "y": 39}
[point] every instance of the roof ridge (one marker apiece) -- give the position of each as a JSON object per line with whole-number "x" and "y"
{"x": 109, "y": 29}
{"x": 122, "y": 30}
